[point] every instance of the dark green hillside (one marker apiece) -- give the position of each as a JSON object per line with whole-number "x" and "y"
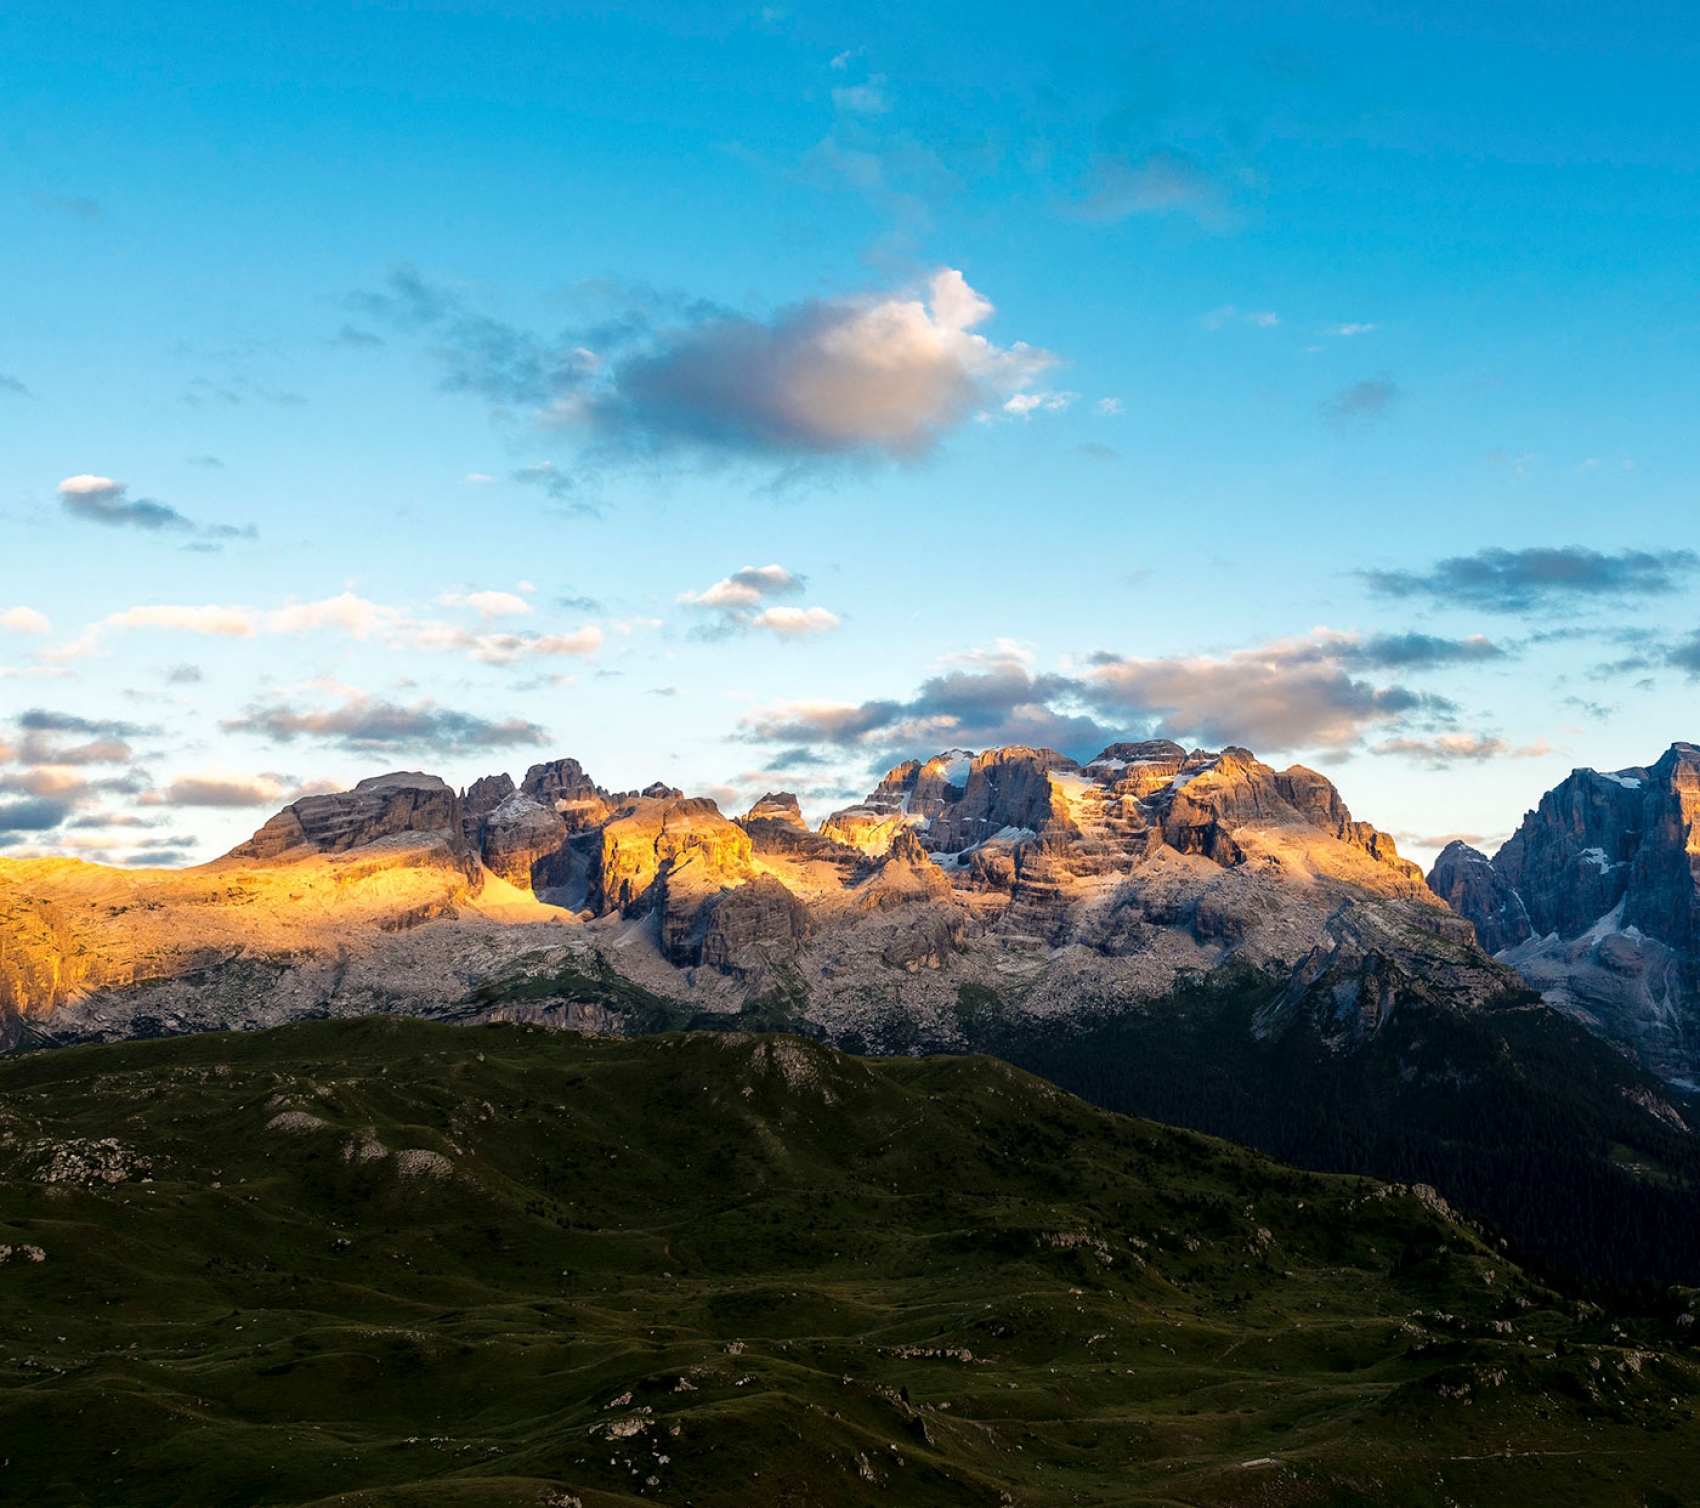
{"x": 1514, "y": 1112}
{"x": 385, "y": 1263}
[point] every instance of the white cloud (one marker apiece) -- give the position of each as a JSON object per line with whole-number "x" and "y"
{"x": 221, "y": 622}
{"x": 358, "y": 618}
{"x": 745, "y": 588}
{"x": 796, "y": 622}
{"x": 85, "y": 485}
{"x": 733, "y": 601}
{"x": 24, "y": 620}
{"x": 1456, "y": 748}
{"x": 354, "y": 616}
{"x": 1349, "y": 330}
{"x": 487, "y": 604}
{"x": 1107, "y": 407}
{"x": 889, "y": 374}
{"x": 1023, "y": 405}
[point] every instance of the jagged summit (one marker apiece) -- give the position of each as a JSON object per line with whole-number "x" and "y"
{"x": 1595, "y": 899}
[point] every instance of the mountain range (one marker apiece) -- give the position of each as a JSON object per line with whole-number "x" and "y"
{"x": 1190, "y": 934}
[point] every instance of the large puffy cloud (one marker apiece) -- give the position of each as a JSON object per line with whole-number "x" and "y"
{"x": 1508, "y": 581}
{"x": 362, "y": 722}
{"x": 879, "y": 373}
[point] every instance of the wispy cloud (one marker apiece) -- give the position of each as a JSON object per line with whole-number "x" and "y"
{"x": 1458, "y": 748}
{"x": 1507, "y": 581}
{"x": 355, "y": 617}
{"x": 73, "y": 206}
{"x": 1162, "y": 182}
{"x": 101, "y": 500}
{"x": 1360, "y": 405}
{"x": 362, "y": 722}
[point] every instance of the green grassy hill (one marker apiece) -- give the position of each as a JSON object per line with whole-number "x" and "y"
{"x": 386, "y": 1263}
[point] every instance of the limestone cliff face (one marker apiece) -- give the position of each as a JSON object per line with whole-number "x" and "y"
{"x": 517, "y": 835}
{"x": 405, "y": 802}
{"x": 656, "y": 835}
{"x": 1596, "y": 901}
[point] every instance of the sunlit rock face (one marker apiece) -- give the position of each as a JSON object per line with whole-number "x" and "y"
{"x": 1039, "y": 881}
{"x": 405, "y": 802}
{"x": 660, "y": 835}
{"x": 776, "y": 806}
{"x": 1596, "y": 901}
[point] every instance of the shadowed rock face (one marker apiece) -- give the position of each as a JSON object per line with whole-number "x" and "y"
{"x": 1468, "y": 882}
{"x": 1596, "y": 901}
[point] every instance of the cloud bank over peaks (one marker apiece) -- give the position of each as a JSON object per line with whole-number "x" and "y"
{"x": 878, "y": 375}
{"x": 1320, "y": 692}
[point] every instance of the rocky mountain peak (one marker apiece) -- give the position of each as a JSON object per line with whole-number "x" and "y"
{"x": 776, "y": 806}
{"x": 381, "y": 806}
{"x": 1595, "y": 899}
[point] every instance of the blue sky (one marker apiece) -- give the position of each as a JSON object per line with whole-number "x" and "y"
{"x": 748, "y": 398}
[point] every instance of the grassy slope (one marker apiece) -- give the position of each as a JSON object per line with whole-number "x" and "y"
{"x": 720, "y": 1269}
